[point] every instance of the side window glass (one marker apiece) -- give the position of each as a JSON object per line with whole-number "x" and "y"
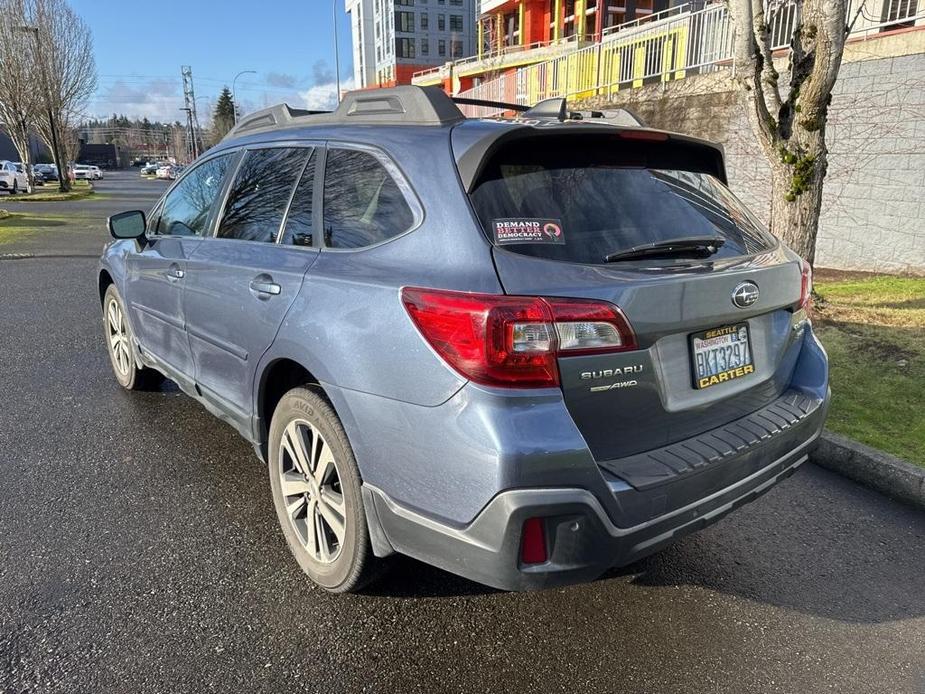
{"x": 186, "y": 208}
{"x": 298, "y": 230}
{"x": 363, "y": 204}
{"x": 261, "y": 189}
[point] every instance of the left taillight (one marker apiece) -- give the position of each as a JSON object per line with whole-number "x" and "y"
{"x": 806, "y": 285}
{"x": 514, "y": 340}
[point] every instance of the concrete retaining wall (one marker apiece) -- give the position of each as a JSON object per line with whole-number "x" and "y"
{"x": 873, "y": 210}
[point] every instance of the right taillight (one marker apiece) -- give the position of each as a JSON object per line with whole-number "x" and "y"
{"x": 514, "y": 340}
{"x": 806, "y": 285}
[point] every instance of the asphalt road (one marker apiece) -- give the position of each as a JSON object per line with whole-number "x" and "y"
{"x": 139, "y": 552}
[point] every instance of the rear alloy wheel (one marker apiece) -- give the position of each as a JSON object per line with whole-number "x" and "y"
{"x": 119, "y": 345}
{"x": 317, "y": 492}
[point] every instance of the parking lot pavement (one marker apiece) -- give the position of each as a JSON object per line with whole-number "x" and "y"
{"x": 139, "y": 552}
{"x": 79, "y": 227}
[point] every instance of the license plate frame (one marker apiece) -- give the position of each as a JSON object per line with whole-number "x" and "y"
{"x": 747, "y": 368}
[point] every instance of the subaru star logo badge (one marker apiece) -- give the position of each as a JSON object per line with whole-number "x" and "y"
{"x": 745, "y": 294}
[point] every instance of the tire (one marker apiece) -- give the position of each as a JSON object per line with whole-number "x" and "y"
{"x": 314, "y": 503}
{"x": 15, "y": 188}
{"x": 119, "y": 345}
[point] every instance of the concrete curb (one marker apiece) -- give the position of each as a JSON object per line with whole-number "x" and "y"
{"x": 875, "y": 469}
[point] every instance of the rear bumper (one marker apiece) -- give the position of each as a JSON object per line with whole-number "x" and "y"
{"x": 582, "y": 540}
{"x": 596, "y": 515}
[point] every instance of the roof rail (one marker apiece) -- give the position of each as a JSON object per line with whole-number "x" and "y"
{"x": 410, "y": 105}
{"x": 404, "y": 105}
{"x": 274, "y": 116}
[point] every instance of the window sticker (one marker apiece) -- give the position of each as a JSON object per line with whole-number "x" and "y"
{"x": 528, "y": 230}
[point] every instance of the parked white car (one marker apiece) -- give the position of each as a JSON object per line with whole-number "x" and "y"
{"x": 82, "y": 172}
{"x": 96, "y": 173}
{"x": 12, "y": 179}
{"x": 166, "y": 171}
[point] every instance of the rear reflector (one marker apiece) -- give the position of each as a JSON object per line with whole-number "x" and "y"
{"x": 806, "y": 285}
{"x": 533, "y": 542}
{"x": 514, "y": 341}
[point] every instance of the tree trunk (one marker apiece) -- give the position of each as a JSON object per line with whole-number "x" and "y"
{"x": 797, "y": 175}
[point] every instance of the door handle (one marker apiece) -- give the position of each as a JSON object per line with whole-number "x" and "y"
{"x": 262, "y": 287}
{"x": 175, "y": 273}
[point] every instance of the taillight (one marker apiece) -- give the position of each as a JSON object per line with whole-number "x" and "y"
{"x": 806, "y": 285}
{"x": 514, "y": 340}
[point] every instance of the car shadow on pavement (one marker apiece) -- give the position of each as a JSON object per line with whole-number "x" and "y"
{"x": 818, "y": 544}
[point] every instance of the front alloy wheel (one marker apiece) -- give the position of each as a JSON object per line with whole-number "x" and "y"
{"x": 119, "y": 349}
{"x": 119, "y": 342}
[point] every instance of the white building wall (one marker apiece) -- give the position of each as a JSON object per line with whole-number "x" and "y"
{"x": 361, "y": 33}
{"x": 436, "y": 28}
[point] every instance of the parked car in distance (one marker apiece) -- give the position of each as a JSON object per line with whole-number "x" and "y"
{"x": 149, "y": 169}
{"x": 36, "y": 178}
{"x": 13, "y": 178}
{"x": 166, "y": 171}
{"x": 523, "y": 351}
{"x": 49, "y": 172}
{"x": 82, "y": 172}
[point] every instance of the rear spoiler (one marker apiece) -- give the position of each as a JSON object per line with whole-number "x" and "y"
{"x": 698, "y": 155}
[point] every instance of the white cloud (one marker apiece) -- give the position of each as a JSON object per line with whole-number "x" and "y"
{"x": 323, "y": 97}
{"x": 155, "y": 99}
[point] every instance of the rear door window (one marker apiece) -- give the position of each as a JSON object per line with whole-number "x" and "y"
{"x": 261, "y": 190}
{"x": 582, "y": 199}
{"x": 363, "y": 203}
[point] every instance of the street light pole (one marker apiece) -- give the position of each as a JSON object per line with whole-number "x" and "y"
{"x": 234, "y": 94}
{"x": 336, "y": 50}
{"x": 63, "y": 183}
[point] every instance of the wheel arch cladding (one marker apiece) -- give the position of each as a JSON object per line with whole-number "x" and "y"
{"x": 279, "y": 377}
{"x": 103, "y": 282}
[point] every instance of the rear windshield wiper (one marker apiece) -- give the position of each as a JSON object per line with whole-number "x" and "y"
{"x": 696, "y": 246}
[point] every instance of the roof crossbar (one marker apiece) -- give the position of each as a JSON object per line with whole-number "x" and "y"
{"x": 487, "y": 103}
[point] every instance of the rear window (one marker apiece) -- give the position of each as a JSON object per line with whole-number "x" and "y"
{"x": 581, "y": 199}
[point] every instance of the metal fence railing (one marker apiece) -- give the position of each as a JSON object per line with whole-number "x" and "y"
{"x": 681, "y": 43}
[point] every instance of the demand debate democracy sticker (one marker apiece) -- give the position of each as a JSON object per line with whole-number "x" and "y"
{"x": 527, "y": 230}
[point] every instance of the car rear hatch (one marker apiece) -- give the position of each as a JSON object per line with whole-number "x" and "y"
{"x": 713, "y": 326}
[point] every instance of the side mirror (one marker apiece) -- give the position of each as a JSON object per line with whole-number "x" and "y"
{"x": 128, "y": 225}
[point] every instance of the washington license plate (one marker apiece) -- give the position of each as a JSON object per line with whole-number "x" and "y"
{"x": 720, "y": 355}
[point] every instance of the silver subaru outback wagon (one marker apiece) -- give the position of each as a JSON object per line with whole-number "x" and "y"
{"x": 524, "y": 350}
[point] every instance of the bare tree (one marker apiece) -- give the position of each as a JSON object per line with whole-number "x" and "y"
{"x": 63, "y": 55}
{"x": 19, "y": 100}
{"x": 791, "y": 129}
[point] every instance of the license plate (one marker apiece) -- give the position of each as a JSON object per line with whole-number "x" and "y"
{"x": 720, "y": 355}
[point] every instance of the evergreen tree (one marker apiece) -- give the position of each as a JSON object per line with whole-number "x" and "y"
{"x": 223, "y": 119}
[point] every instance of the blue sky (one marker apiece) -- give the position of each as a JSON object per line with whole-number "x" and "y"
{"x": 140, "y": 46}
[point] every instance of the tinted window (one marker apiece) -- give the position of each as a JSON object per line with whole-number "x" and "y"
{"x": 299, "y": 221}
{"x": 186, "y": 207}
{"x": 260, "y": 192}
{"x": 605, "y": 197}
{"x": 363, "y": 204}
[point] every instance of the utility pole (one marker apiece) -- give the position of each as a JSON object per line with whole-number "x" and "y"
{"x": 190, "y": 136}
{"x": 336, "y": 51}
{"x": 189, "y": 97}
